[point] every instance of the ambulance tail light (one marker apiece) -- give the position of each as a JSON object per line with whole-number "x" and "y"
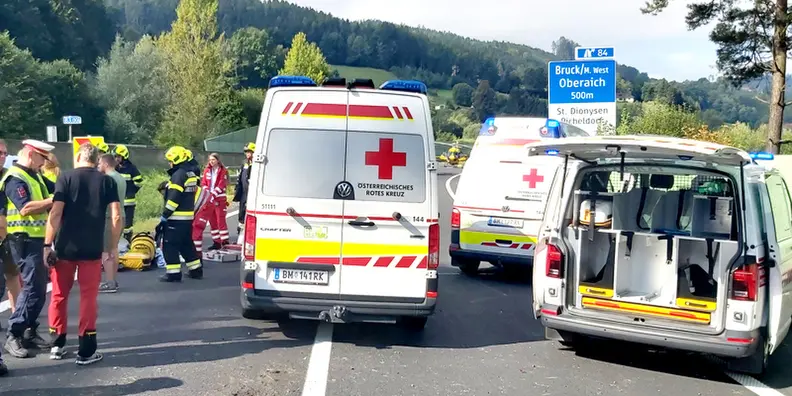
{"x": 434, "y": 247}
{"x": 745, "y": 283}
{"x": 250, "y": 237}
{"x": 456, "y": 218}
{"x": 554, "y": 266}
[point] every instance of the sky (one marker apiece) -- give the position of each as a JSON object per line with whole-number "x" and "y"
{"x": 660, "y": 46}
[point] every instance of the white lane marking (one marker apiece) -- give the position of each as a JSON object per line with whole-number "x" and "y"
{"x": 448, "y": 186}
{"x": 753, "y": 384}
{"x": 6, "y": 305}
{"x": 319, "y": 363}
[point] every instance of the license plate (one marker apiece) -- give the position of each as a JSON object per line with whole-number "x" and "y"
{"x": 307, "y": 277}
{"x": 500, "y": 222}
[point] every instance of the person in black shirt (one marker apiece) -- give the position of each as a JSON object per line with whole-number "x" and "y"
{"x": 243, "y": 180}
{"x": 78, "y": 214}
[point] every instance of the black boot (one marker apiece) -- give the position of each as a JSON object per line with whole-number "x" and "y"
{"x": 196, "y": 273}
{"x": 171, "y": 278}
{"x": 3, "y": 368}
{"x": 32, "y": 339}
{"x": 215, "y": 246}
{"x": 87, "y": 354}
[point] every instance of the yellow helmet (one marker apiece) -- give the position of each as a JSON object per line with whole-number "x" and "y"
{"x": 103, "y": 147}
{"x": 121, "y": 151}
{"x": 188, "y": 153}
{"x": 250, "y": 147}
{"x": 176, "y": 155}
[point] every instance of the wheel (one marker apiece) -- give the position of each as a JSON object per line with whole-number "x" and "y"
{"x": 756, "y": 364}
{"x": 414, "y": 323}
{"x": 468, "y": 267}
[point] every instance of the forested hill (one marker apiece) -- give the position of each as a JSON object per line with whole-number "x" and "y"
{"x": 80, "y": 31}
{"x": 441, "y": 59}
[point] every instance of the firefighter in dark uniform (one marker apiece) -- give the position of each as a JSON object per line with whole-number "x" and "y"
{"x": 243, "y": 180}
{"x": 29, "y": 198}
{"x": 177, "y": 218}
{"x": 134, "y": 179}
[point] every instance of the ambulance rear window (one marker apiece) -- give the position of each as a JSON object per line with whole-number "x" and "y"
{"x": 303, "y": 163}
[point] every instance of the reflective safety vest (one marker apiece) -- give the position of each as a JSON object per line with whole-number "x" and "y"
{"x": 50, "y": 175}
{"x": 34, "y": 225}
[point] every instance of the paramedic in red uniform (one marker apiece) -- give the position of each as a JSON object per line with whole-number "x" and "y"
{"x": 78, "y": 215}
{"x": 215, "y": 180}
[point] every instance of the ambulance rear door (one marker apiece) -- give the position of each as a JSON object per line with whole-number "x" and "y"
{"x": 298, "y": 219}
{"x": 386, "y": 225}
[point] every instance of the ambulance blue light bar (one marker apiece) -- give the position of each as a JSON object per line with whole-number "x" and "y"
{"x": 291, "y": 81}
{"x": 405, "y": 86}
{"x": 551, "y": 152}
{"x": 552, "y": 129}
{"x": 762, "y": 156}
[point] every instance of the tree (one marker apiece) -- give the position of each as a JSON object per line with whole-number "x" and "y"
{"x": 197, "y": 74}
{"x": 305, "y": 59}
{"x": 462, "y": 94}
{"x": 752, "y": 42}
{"x": 564, "y": 48}
{"x": 69, "y": 94}
{"x": 256, "y": 59}
{"x": 485, "y": 101}
{"x": 131, "y": 84}
{"x": 24, "y": 106}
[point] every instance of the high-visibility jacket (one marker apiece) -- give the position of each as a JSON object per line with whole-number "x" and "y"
{"x": 50, "y": 175}
{"x": 34, "y": 225}
{"x": 180, "y": 196}
{"x": 134, "y": 180}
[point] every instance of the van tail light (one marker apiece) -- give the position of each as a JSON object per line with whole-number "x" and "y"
{"x": 456, "y": 218}
{"x": 434, "y": 247}
{"x": 554, "y": 267}
{"x": 745, "y": 283}
{"x": 250, "y": 237}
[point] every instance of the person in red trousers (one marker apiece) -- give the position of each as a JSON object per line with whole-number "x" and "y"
{"x": 203, "y": 211}
{"x": 215, "y": 180}
{"x": 78, "y": 216}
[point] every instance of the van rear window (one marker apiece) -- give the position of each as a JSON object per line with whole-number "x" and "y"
{"x": 304, "y": 163}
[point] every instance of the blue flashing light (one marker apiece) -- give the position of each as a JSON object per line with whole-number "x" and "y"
{"x": 291, "y": 81}
{"x": 685, "y": 157}
{"x": 762, "y": 156}
{"x": 490, "y": 121}
{"x": 551, "y": 152}
{"x": 551, "y": 129}
{"x": 552, "y": 123}
{"x": 405, "y": 85}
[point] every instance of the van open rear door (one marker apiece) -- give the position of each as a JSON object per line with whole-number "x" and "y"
{"x": 778, "y": 225}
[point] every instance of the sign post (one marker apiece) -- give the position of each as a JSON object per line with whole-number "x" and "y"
{"x": 71, "y": 120}
{"x": 583, "y": 92}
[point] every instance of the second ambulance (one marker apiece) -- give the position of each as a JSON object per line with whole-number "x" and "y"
{"x": 342, "y": 216}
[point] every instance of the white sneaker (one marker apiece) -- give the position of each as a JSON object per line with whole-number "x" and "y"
{"x": 57, "y": 353}
{"x": 84, "y": 361}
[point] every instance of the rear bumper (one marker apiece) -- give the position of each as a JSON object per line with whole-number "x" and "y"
{"x": 307, "y": 307}
{"x": 495, "y": 259}
{"x": 715, "y": 345}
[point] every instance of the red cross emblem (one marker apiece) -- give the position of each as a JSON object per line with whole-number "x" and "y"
{"x": 385, "y": 159}
{"x": 533, "y": 178}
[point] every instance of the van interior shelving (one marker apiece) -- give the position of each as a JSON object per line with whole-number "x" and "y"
{"x": 662, "y": 246}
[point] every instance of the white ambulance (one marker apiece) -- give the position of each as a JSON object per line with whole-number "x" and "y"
{"x": 342, "y": 215}
{"x": 501, "y": 194}
{"x": 668, "y": 242}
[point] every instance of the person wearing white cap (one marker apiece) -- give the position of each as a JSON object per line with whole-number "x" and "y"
{"x": 28, "y": 200}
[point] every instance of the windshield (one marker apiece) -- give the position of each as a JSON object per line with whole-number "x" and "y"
{"x": 568, "y": 130}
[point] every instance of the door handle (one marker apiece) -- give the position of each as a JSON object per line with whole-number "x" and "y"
{"x": 361, "y": 223}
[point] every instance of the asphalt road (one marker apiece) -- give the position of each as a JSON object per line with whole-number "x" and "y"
{"x": 189, "y": 339}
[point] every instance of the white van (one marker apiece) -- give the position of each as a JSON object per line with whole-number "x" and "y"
{"x": 342, "y": 215}
{"x": 668, "y": 242}
{"x": 501, "y": 194}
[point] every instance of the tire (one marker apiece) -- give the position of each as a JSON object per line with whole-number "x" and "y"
{"x": 468, "y": 267}
{"x": 415, "y": 323}
{"x": 756, "y": 364}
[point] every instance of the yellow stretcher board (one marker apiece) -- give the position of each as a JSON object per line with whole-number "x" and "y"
{"x": 646, "y": 310}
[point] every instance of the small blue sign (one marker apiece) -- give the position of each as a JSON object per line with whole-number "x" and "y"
{"x": 72, "y": 120}
{"x": 582, "y": 53}
{"x": 581, "y": 81}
